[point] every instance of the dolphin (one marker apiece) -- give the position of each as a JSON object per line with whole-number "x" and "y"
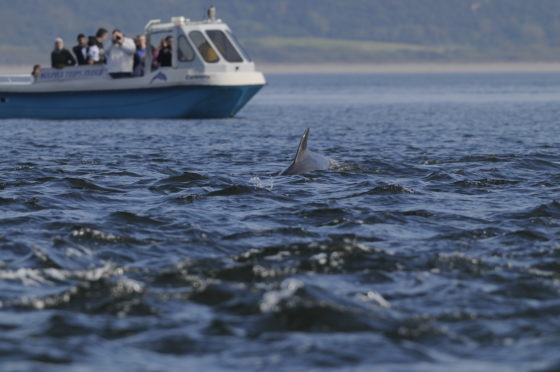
{"x": 305, "y": 160}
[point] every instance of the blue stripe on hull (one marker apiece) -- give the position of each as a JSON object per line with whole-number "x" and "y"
{"x": 171, "y": 102}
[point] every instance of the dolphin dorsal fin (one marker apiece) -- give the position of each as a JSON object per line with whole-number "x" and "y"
{"x": 302, "y": 148}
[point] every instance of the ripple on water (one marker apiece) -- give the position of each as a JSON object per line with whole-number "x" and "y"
{"x": 125, "y": 217}
{"x": 432, "y": 244}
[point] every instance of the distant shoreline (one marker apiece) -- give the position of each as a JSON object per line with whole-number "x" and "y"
{"x": 409, "y": 68}
{"x": 374, "y": 68}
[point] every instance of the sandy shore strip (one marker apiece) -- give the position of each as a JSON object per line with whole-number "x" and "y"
{"x": 373, "y": 68}
{"x": 409, "y": 68}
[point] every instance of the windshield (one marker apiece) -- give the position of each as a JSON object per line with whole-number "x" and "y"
{"x": 226, "y": 48}
{"x": 204, "y": 47}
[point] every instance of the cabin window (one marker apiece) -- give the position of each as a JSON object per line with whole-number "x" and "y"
{"x": 225, "y": 47}
{"x": 204, "y": 47}
{"x": 185, "y": 52}
{"x": 238, "y": 45}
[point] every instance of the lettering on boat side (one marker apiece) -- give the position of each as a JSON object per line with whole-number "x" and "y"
{"x": 160, "y": 76}
{"x": 70, "y": 74}
{"x": 197, "y": 77}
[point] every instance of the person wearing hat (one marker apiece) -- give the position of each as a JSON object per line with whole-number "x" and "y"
{"x": 61, "y": 57}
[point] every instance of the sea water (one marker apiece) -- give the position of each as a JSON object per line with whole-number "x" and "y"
{"x": 432, "y": 245}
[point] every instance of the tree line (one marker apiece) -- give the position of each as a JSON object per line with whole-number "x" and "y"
{"x": 502, "y": 29}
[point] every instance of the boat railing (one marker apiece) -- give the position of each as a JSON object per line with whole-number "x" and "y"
{"x": 16, "y": 79}
{"x": 72, "y": 73}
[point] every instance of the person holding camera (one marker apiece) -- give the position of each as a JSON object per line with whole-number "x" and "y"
{"x": 120, "y": 55}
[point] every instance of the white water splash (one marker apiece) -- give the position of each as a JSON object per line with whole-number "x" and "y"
{"x": 262, "y": 184}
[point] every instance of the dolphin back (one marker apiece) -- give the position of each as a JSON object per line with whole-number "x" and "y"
{"x": 305, "y": 160}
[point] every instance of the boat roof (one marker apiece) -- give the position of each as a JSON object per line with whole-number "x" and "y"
{"x": 156, "y": 25}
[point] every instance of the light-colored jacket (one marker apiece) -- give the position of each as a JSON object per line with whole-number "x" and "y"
{"x": 120, "y": 58}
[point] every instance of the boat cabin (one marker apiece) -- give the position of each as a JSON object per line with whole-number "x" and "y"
{"x": 206, "y": 46}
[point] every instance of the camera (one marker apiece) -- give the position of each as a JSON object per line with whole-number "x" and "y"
{"x": 118, "y": 38}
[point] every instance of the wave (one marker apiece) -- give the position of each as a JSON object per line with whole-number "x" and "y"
{"x": 133, "y": 218}
{"x": 98, "y": 290}
{"x": 550, "y": 210}
{"x": 185, "y": 177}
{"x": 294, "y": 231}
{"x": 385, "y": 189}
{"x": 297, "y": 306}
{"x": 474, "y": 234}
{"x": 83, "y": 184}
{"x": 233, "y": 190}
{"x": 177, "y": 183}
{"x": 488, "y": 182}
{"x": 85, "y": 234}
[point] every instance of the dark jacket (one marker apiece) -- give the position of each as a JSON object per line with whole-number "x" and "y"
{"x": 79, "y": 56}
{"x": 62, "y": 58}
{"x": 165, "y": 57}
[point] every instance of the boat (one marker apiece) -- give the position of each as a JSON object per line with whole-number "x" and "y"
{"x": 211, "y": 76}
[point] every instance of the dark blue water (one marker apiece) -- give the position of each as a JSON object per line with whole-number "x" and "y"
{"x": 433, "y": 245}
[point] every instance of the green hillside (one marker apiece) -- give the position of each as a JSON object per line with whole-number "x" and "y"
{"x": 311, "y": 30}
{"x": 309, "y": 49}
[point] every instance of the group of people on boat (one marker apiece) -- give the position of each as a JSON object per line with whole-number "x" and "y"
{"x": 123, "y": 56}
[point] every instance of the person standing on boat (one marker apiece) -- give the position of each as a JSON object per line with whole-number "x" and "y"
{"x": 93, "y": 52}
{"x": 60, "y": 56}
{"x": 165, "y": 54}
{"x": 96, "y": 52}
{"x": 139, "y": 55}
{"x": 81, "y": 50}
{"x": 120, "y": 55}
